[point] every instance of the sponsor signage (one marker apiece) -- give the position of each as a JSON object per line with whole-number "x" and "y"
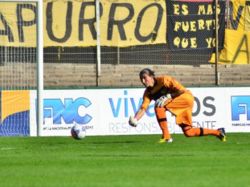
{"x": 106, "y": 111}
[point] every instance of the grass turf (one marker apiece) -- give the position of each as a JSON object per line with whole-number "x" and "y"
{"x": 125, "y": 161}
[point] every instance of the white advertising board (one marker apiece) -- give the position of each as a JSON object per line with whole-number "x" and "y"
{"x": 106, "y": 111}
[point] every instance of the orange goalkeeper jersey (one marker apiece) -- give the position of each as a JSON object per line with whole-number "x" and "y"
{"x": 181, "y": 106}
{"x": 163, "y": 85}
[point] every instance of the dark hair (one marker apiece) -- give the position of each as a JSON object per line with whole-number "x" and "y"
{"x": 146, "y": 71}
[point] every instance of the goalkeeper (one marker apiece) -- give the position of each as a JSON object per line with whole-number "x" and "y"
{"x": 170, "y": 95}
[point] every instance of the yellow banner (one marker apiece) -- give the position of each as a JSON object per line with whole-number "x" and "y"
{"x": 236, "y": 48}
{"x": 237, "y": 15}
{"x": 73, "y": 23}
{"x": 17, "y": 24}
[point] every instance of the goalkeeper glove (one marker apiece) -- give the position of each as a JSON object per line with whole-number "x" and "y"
{"x": 162, "y": 100}
{"x": 132, "y": 121}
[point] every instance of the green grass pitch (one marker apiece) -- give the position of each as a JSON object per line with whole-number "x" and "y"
{"x": 125, "y": 161}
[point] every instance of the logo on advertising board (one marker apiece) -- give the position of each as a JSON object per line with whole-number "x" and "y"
{"x": 204, "y": 112}
{"x": 66, "y": 111}
{"x": 127, "y": 103}
{"x": 240, "y": 109}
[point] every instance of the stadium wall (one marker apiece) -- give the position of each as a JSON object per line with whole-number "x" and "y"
{"x": 65, "y": 75}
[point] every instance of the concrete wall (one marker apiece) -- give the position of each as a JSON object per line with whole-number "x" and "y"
{"x": 127, "y": 75}
{"x": 59, "y": 75}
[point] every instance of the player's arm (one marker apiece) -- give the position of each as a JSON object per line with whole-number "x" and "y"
{"x": 133, "y": 120}
{"x": 176, "y": 88}
{"x": 139, "y": 114}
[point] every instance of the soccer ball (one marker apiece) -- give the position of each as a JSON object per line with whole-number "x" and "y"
{"x": 78, "y": 132}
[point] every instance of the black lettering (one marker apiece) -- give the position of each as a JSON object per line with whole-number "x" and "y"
{"x": 209, "y": 105}
{"x": 6, "y": 31}
{"x": 152, "y": 36}
{"x": 235, "y": 22}
{"x": 68, "y": 23}
{"x": 20, "y": 20}
{"x": 119, "y": 23}
{"x": 90, "y": 22}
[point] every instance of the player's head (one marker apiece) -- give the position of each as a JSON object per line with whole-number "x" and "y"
{"x": 147, "y": 77}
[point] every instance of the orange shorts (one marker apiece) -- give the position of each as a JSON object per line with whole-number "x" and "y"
{"x": 182, "y": 107}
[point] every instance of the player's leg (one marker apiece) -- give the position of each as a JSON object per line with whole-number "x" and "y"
{"x": 222, "y": 135}
{"x": 190, "y": 131}
{"x": 162, "y": 121}
{"x": 184, "y": 120}
{"x": 182, "y": 107}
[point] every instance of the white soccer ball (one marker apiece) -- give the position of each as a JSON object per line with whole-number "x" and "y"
{"x": 78, "y": 132}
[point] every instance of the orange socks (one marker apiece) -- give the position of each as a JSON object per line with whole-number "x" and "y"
{"x": 164, "y": 128}
{"x": 162, "y": 120}
{"x": 190, "y": 131}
